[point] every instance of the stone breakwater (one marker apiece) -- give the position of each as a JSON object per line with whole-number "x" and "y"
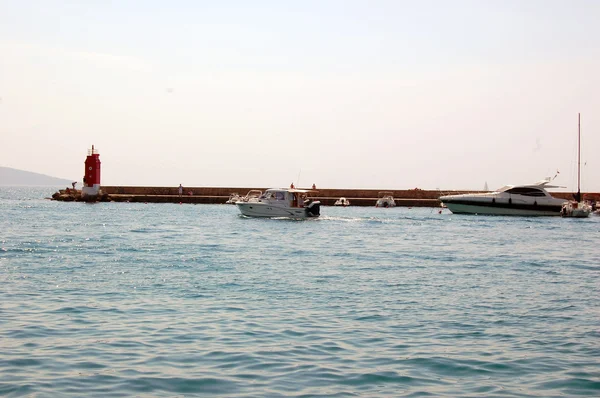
{"x": 219, "y": 195}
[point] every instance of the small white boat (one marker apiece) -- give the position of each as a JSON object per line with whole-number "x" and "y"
{"x": 342, "y": 202}
{"x": 511, "y": 200}
{"x": 234, "y": 197}
{"x": 282, "y": 202}
{"x": 385, "y": 199}
{"x": 252, "y": 196}
{"x": 576, "y": 208}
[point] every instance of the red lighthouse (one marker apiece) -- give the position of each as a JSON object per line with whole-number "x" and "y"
{"x": 91, "y": 176}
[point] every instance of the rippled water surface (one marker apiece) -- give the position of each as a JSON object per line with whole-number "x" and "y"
{"x": 131, "y": 299}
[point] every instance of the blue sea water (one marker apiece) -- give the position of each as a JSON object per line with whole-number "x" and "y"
{"x": 169, "y": 300}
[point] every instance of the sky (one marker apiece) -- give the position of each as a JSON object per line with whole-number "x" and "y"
{"x": 344, "y": 94}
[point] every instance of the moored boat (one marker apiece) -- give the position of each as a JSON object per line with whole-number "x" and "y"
{"x": 385, "y": 199}
{"x": 576, "y": 208}
{"x": 510, "y": 200}
{"x": 234, "y": 197}
{"x": 342, "y": 202}
{"x": 252, "y": 196}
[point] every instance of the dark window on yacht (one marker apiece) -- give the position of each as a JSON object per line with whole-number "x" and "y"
{"x": 526, "y": 191}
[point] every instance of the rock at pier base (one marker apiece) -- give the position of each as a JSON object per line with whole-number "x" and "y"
{"x": 74, "y": 195}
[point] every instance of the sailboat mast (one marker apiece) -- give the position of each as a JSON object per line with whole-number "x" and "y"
{"x": 578, "y": 156}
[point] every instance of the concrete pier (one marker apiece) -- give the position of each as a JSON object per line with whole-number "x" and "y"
{"x": 357, "y": 197}
{"x": 219, "y": 195}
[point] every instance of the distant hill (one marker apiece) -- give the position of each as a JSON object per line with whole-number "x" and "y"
{"x": 14, "y": 177}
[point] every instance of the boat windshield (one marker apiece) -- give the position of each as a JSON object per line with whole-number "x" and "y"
{"x": 277, "y": 195}
{"x": 504, "y": 188}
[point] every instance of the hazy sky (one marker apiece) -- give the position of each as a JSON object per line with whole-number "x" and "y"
{"x": 346, "y": 94}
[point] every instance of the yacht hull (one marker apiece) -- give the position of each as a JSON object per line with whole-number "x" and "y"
{"x": 502, "y": 209}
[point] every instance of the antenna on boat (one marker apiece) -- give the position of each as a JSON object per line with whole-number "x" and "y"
{"x": 298, "y": 179}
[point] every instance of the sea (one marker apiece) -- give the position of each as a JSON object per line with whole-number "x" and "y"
{"x": 183, "y": 300}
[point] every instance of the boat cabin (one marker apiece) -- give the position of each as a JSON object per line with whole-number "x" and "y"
{"x": 524, "y": 191}
{"x": 289, "y": 197}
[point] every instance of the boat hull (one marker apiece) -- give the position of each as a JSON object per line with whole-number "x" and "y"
{"x": 502, "y": 209}
{"x": 250, "y": 209}
{"x": 578, "y": 214}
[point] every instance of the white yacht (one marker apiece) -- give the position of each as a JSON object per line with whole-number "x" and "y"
{"x": 511, "y": 200}
{"x": 385, "y": 199}
{"x": 342, "y": 202}
{"x": 282, "y": 202}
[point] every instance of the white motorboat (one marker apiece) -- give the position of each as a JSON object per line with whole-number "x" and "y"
{"x": 576, "y": 208}
{"x": 342, "y": 202}
{"x": 385, "y": 199}
{"x": 252, "y": 196}
{"x": 282, "y": 202}
{"x": 511, "y": 200}
{"x": 234, "y": 197}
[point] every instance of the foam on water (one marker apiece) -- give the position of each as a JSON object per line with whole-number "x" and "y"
{"x": 117, "y": 299}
